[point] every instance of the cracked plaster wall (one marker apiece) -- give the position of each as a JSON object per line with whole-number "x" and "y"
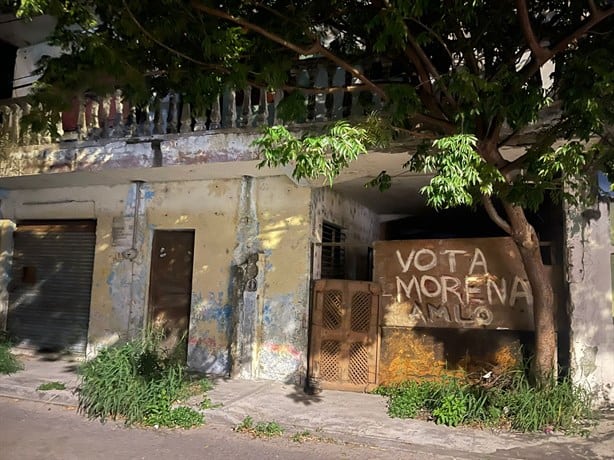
{"x": 360, "y": 224}
{"x": 278, "y": 232}
{"x": 590, "y": 299}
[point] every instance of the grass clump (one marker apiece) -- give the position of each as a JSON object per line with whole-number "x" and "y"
{"x": 137, "y": 381}
{"x": 51, "y": 386}
{"x": 259, "y": 429}
{"x": 9, "y": 364}
{"x": 513, "y": 403}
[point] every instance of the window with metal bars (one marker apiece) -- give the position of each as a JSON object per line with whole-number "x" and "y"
{"x": 333, "y": 252}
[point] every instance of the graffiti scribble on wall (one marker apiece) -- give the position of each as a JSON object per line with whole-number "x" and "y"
{"x": 458, "y": 283}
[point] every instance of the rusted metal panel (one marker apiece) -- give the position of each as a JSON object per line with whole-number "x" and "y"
{"x": 418, "y": 354}
{"x": 453, "y": 283}
{"x": 344, "y": 335}
{"x": 171, "y": 283}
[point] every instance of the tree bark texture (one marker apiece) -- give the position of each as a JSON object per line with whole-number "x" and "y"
{"x": 523, "y": 233}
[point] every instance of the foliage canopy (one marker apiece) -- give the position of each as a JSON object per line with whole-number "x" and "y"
{"x": 466, "y": 70}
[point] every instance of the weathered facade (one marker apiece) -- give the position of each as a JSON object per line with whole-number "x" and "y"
{"x": 169, "y": 185}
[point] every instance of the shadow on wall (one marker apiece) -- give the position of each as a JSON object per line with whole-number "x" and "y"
{"x": 49, "y": 293}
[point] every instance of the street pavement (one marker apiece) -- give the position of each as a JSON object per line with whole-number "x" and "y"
{"x": 350, "y": 419}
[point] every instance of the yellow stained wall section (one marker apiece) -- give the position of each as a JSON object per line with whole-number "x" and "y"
{"x": 284, "y": 234}
{"x": 211, "y": 208}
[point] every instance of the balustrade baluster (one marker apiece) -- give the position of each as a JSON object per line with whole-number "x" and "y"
{"x": 277, "y": 98}
{"x": 5, "y": 129}
{"x": 320, "y": 81}
{"x": 81, "y": 119}
{"x": 303, "y": 80}
{"x": 229, "y": 108}
{"x": 16, "y": 113}
{"x": 26, "y": 136}
{"x": 161, "y": 122}
{"x": 200, "y": 119}
{"x": 356, "y": 110}
{"x": 216, "y": 116}
{"x": 246, "y": 108}
{"x": 94, "y": 124}
{"x": 186, "y": 117}
{"x": 263, "y": 108}
{"x": 105, "y": 117}
{"x": 173, "y": 112}
{"x": 338, "y": 81}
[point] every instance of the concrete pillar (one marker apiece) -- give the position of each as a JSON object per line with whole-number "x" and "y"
{"x": 7, "y": 227}
{"x": 589, "y": 274}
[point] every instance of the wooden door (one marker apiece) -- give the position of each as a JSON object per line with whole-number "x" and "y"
{"x": 171, "y": 285}
{"x": 344, "y": 335}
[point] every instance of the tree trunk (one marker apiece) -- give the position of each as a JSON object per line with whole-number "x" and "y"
{"x": 523, "y": 233}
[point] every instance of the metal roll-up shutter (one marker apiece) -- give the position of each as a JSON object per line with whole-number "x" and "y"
{"x": 49, "y": 295}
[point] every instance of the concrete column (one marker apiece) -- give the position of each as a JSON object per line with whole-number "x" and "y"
{"x": 7, "y": 227}
{"x": 589, "y": 273}
{"x": 247, "y": 285}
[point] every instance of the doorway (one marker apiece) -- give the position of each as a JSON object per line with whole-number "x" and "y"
{"x": 170, "y": 287}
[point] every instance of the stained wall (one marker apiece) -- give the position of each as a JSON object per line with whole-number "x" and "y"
{"x": 359, "y": 223}
{"x": 232, "y": 218}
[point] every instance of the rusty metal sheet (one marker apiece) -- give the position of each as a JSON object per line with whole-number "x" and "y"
{"x": 453, "y": 283}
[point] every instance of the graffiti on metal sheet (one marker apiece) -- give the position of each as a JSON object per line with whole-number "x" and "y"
{"x": 458, "y": 283}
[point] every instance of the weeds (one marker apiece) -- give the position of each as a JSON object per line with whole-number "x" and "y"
{"x": 206, "y": 403}
{"x": 514, "y": 403}
{"x": 260, "y": 429}
{"x": 51, "y": 386}
{"x": 302, "y": 436}
{"x": 9, "y": 364}
{"x": 138, "y": 382}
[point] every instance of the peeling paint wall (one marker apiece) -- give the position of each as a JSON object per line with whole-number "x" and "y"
{"x": 284, "y": 227}
{"x": 276, "y": 231}
{"x": 360, "y": 224}
{"x": 6, "y": 255}
{"x": 589, "y": 274}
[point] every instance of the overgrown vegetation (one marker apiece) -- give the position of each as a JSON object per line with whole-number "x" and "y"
{"x": 259, "y": 429}
{"x": 512, "y": 402}
{"x": 9, "y": 364}
{"x": 55, "y": 385}
{"x": 141, "y": 383}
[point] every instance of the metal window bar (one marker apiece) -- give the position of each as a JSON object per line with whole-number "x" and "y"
{"x": 333, "y": 252}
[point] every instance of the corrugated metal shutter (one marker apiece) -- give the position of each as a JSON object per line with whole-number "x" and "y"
{"x": 49, "y": 296}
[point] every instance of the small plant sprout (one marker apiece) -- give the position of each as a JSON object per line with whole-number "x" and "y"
{"x": 51, "y": 386}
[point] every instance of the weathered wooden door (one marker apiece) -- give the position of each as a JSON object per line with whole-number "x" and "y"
{"x": 344, "y": 335}
{"x": 171, "y": 284}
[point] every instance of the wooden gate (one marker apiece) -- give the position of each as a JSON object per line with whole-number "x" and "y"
{"x": 344, "y": 335}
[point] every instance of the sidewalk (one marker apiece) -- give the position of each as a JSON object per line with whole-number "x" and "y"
{"x": 342, "y": 416}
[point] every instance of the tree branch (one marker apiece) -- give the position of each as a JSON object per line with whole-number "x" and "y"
{"x": 425, "y": 88}
{"x": 168, "y": 48}
{"x": 429, "y": 65}
{"x": 315, "y": 48}
{"x": 540, "y": 53}
{"x": 495, "y": 216}
{"x": 442, "y": 125}
{"x": 596, "y": 17}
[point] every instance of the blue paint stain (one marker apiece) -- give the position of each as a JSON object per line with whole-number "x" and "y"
{"x": 267, "y": 318}
{"x": 148, "y": 195}
{"x": 111, "y": 278}
{"x": 213, "y": 309}
{"x": 268, "y": 266}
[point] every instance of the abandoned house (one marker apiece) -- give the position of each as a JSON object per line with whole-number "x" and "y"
{"x": 118, "y": 225}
